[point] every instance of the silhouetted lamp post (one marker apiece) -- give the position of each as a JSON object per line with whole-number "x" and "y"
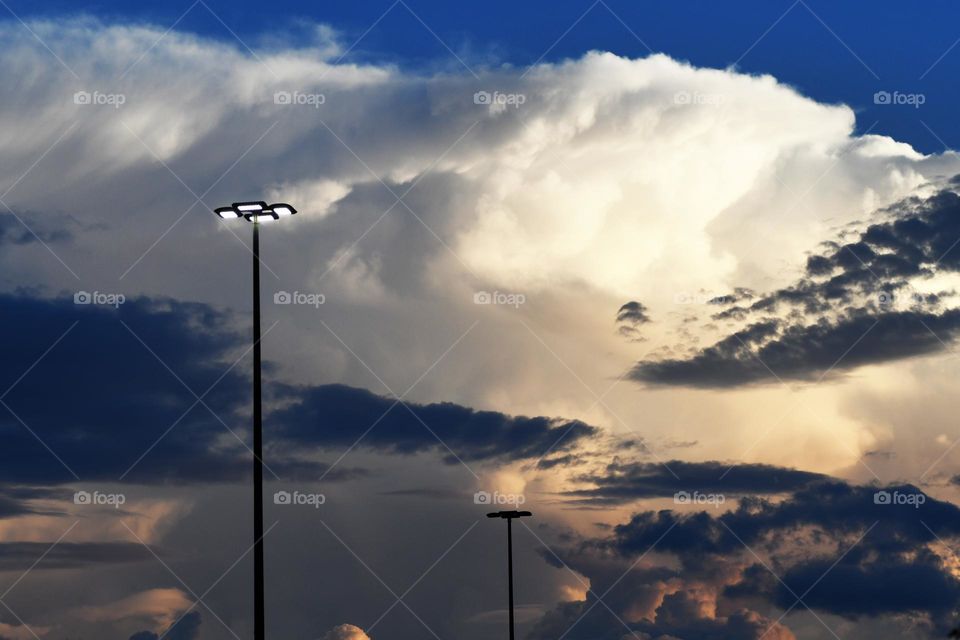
{"x": 257, "y": 213}
{"x": 510, "y": 516}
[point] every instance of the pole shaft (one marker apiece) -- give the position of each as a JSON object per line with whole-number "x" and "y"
{"x": 510, "y": 569}
{"x": 259, "y": 606}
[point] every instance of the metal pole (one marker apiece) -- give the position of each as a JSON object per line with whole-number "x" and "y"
{"x": 258, "y": 588}
{"x": 510, "y": 568}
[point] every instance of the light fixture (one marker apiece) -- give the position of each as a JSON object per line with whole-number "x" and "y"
{"x": 255, "y": 211}
{"x": 282, "y": 209}
{"x": 258, "y": 205}
{"x": 266, "y": 215}
{"x": 227, "y": 213}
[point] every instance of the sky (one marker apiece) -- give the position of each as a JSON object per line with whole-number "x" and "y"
{"x": 680, "y": 279}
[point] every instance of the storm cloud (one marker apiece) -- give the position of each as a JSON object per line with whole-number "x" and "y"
{"x": 852, "y": 551}
{"x": 855, "y": 305}
{"x": 626, "y": 482}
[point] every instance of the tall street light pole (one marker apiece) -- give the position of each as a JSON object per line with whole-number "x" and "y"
{"x": 510, "y": 516}
{"x": 257, "y": 213}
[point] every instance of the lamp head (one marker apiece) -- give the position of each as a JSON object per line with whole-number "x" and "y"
{"x": 255, "y": 211}
{"x": 509, "y": 515}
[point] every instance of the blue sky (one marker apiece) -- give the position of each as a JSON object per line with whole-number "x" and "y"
{"x": 834, "y": 52}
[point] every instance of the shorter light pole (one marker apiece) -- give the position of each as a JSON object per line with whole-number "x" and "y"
{"x": 510, "y": 516}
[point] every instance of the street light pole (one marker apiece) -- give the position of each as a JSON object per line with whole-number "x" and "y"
{"x": 257, "y": 212}
{"x": 510, "y": 569}
{"x": 510, "y": 516}
{"x": 258, "y": 577}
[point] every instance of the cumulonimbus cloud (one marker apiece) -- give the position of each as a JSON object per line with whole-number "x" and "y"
{"x": 582, "y": 189}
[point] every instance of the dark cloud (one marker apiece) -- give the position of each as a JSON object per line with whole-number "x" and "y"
{"x": 765, "y": 353}
{"x": 114, "y": 398}
{"x": 621, "y": 483}
{"x": 630, "y": 317}
{"x": 739, "y": 294}
{"x": 566, "y": 460}
{"x": 849, "y": 552}
{"x": 833, "y": 506}
{"x": 20, "y": 500}
{"x": 335, "y": 415}
{"x": 634, "y": 313}
{"x": 38, "y": 229}
{"x": 894, "y": 546}
{"x": 853, "y": 306}
{"x": 124, "y": 380}
{"x": 20, "y": 556}
{"x": 853, "y": 588}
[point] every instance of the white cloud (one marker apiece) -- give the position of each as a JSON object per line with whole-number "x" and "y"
{"x": 346, "y": 632}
